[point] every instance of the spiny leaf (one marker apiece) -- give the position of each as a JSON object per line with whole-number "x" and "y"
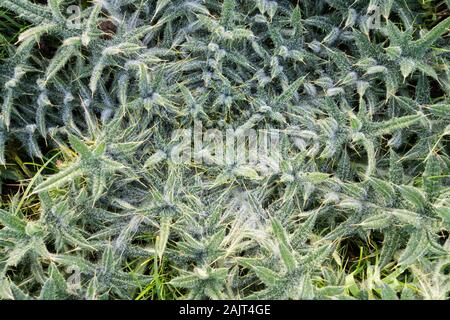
{"x": 430, "y": 37}
{"x": 415, "y": 248}
{"x": 390, "y": 126}
{"x": 11, "y": 221}
{"x": 267, "y": 276}
{"x": 414, "y": 196}
{"x": 378, "y": 221}
{"x": 59, "y": 179}
{"x": 161, "y": 240}
{"x": 288, "y": 93}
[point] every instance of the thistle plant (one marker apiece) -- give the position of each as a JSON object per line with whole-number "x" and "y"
{"x": 357, "y": 90}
